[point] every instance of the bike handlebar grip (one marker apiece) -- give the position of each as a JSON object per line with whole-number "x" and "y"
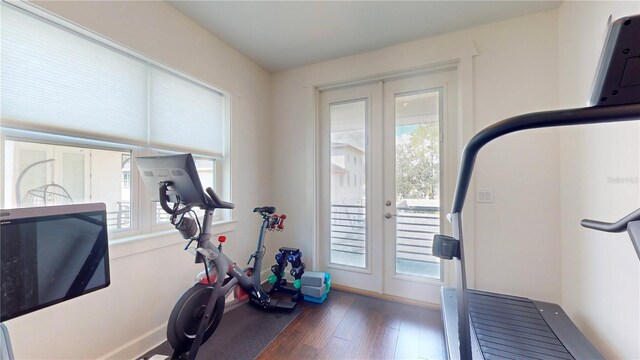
{"x": 599, "y": 225}
{"x": 619, "y": 226}
{"x": 163, "y": 197}
{"x": 281, "y": 222}
{"x": 217, "y": 202}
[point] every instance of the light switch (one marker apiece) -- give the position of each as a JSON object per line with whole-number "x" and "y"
{"x": 484, "y": 195}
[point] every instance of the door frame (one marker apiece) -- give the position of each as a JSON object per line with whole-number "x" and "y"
{"x": 459, "y": 56}
{"x": 369, "y": 277}
{"x": 444, "y": 82}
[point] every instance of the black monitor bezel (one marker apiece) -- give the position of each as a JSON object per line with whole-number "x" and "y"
{"x": 23, "y": 215}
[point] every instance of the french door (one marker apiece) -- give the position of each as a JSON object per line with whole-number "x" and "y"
{"x": 420, "y": 163}
{"x": 387, "y": 167}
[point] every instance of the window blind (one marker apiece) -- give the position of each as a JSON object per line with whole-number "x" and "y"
{"x": 57, "y": 80}
{"x": 53, "y": 79}
{"x": 184, "y": 115}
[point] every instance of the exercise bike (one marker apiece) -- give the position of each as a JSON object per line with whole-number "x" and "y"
{"x": 198, "y": 312}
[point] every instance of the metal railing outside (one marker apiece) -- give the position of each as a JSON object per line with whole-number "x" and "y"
{"x": 415, "y": 228}
{"x": 120, "y": 219}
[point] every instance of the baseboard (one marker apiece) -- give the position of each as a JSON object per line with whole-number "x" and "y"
{"x": 140, "y": 345}
{"x": 387, "y": 297}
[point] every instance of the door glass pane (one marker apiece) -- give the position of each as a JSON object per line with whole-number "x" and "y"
{"x": 417, "y": 182}
{"x": 348, "y": 184}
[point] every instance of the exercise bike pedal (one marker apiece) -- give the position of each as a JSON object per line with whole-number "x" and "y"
{"x": 281, "y": 304}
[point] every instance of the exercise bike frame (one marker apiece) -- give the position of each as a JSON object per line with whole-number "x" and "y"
{"x": 221, "y": 264}
{"x": 217, "y": 261}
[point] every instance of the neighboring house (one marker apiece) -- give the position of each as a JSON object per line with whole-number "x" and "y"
{"x": 348, "y": 179}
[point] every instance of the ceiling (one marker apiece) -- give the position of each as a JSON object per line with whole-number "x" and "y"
{"x": 280, "y": 35}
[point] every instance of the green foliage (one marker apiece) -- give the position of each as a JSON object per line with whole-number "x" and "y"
{"x": 418, "y": 164}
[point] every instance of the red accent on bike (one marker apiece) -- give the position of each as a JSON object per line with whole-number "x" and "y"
{"x": 281, "y": 222}
{"x": 212, "y": 279}
{"x": 222, "y": 238}
{"x": 238, "y": 292}
{"x": 230, "y": 268}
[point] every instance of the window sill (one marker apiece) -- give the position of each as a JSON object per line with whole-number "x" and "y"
{"x": 136, "y": 244}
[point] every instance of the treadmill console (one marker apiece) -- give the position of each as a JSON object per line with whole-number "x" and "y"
{"x": 617, "y": 80}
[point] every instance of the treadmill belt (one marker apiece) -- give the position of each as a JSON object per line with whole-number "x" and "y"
{"x": 509, "y": 327}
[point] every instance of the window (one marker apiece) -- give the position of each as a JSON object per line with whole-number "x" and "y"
{"x": 43, "y": 174}
{"x": 77, "y": 110}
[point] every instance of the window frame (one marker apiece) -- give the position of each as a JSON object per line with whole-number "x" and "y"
{"x": 143, "y": 213}
{"x": 57, "y": 140}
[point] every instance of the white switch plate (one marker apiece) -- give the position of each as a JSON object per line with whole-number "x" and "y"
{"x": 484, "y": 195}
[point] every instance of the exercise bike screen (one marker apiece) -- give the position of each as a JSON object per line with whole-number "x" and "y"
{"x": 49, "y": 259}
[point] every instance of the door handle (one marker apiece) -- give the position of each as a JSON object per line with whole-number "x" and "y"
{"x": 389, "y": 215}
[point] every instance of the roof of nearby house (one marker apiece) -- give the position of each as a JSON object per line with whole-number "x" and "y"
{"x": 338, "y": 169}
{"x": 336, "y": 145}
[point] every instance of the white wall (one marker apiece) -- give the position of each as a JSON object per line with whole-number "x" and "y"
{"x": 600, "y": 272}
{"x": 128, "y": 318}
{"x": 517, "y": 239}
{"x": 517, "y": 244}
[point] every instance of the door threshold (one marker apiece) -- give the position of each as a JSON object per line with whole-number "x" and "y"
{"x": 398, "y": 299}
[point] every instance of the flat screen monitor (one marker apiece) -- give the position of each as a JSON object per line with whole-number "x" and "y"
{"x": 617, "y": 80}
{"x": 179, "y": 169}
{"x": 51, "y": 254}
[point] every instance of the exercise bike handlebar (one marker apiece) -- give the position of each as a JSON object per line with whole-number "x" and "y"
{"x": 217, "y": 203}
{"x": 618, "y": 226}
{"x": 580, "y": 116}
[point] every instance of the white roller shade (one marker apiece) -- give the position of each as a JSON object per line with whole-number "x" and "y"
{"x": 185, "y": 115}
{"x": 56, "y": 80}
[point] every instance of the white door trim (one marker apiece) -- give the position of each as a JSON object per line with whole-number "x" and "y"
{"x": 367, "y": 276}
{"x": 460, "y": 56}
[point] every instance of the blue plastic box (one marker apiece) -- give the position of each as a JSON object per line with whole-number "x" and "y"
{"x": 319, "y": 300}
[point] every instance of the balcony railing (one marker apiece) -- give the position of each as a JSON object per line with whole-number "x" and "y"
{"x": 415, "y": 227}
{"x": 120, "y": 219}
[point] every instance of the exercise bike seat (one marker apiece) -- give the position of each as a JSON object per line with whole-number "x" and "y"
{"x": 265, "y": 209}
{"x": 216, "y": 202}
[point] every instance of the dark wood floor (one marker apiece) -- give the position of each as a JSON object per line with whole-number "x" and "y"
{"x": 350, "y": 326}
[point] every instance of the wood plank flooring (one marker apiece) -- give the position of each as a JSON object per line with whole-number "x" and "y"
{"x": 350, "y": 326}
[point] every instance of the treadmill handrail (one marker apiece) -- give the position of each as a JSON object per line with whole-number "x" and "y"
{"x": 555, "y": 118}
{"x": 618, "y": 226}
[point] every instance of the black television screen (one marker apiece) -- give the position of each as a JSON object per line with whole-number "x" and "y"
{"x": 51, "y": 254}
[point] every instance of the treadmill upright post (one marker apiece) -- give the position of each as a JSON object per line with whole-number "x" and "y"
{"x": 464, "y": 335}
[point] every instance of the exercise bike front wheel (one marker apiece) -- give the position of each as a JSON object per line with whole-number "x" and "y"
{"x": 187, "y": 314}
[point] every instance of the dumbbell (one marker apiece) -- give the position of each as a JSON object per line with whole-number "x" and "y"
{"x": 295, "y": 258}
{"x": 280, "y": 258}
{"x": 280, "y": 226}
{"x": 297, "y": 271}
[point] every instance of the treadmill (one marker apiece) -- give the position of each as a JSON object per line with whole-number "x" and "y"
{"x": 484, "y": 325}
